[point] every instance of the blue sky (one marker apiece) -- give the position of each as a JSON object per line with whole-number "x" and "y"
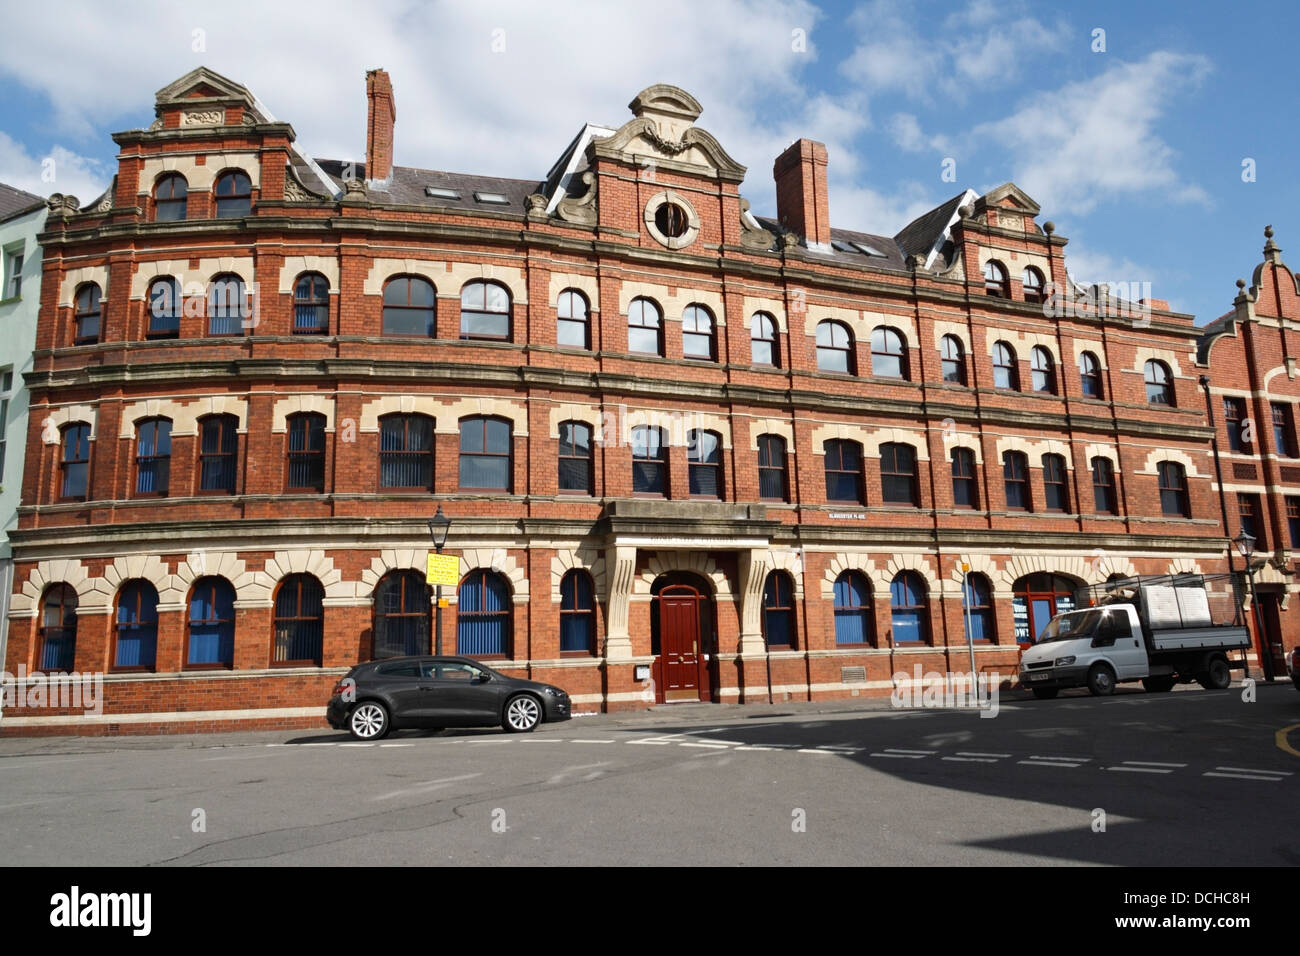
{"x": 1135, "y": 152}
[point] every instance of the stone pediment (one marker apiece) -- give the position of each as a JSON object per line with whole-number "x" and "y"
{"x": 202, "y": 93}
{"x": 1008, "y": 196}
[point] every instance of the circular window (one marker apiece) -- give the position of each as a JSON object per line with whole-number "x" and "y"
{"x": 671, "y": 220}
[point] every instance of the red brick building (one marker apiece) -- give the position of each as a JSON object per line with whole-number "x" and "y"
{"x": 687, "y": 454}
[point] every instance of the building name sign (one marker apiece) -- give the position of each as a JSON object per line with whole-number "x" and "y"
{"x": 848, "y": 515}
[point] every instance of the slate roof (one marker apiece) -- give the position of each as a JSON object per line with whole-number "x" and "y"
{"x": 14, "y": 202}
{"x": 918, "y": 236}
{"x": 407, "y": 188}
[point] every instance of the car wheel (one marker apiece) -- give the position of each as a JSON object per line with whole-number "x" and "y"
{"x": 1101, "y": 680}
{"x": 1158, "y": 685}
{"x": 1217, "y": 676}
{"x": 368, "y": 721}
{"x": 1046, "y": 693}
{"x": 522, "y": 714}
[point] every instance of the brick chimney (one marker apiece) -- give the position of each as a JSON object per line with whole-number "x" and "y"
{"x": 801, "y": 202}
{"x": 380, "y": 116}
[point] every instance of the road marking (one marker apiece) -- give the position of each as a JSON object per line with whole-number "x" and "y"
{"x": 494, "y": 740}
{"x": 356, "y": 745}
{"x": 972, "y": 759}
{"x": 591, "y": 741}
{"x": 543, "y": 740}
{"x": 729, "y": 743}
{"x": 397, "y": 745}
{"x": 329, "y": 744}
{"x": 650, "y": 741}
{"x": 684, "y": 743}
{"x": 1242, "y": 776}
{"x": 1071, "y": 762}
{"x": 1280, "y": 738}
{"x": 902, "y": 756}
{"x": 806, "y": 750}
{"x": 427, "y": 786}
{"x": 746, "y": 747}
{"x": 1153, "y": 763}
{"x": 1271, "y": 773}
{"x": 1142, "y": 769}
{"x": 901, "y": 750}
{"x": 839, "y": 749}
{"x": 976, "y": 753}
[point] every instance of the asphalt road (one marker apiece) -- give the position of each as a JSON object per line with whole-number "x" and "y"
{"x": 1197, "y": 778}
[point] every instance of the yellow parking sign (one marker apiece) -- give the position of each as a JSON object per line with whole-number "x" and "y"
{"x": 443, "y": 569}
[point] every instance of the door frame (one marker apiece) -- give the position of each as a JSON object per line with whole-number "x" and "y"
{"x": 675, "y": 583}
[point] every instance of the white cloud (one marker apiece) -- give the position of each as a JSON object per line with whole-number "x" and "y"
{"x": 905, "y": 129}
{"x": 59, "y": 171}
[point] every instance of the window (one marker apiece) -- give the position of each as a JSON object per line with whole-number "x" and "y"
{"x": 1293, "y": 521}
{"x": 76, "y": 462}
{"x": 211, "y": 624}
{"x": 6, "y": 393}
{"x": 483, "y": 624}
{"x": 311, "y": 305}
{"x": 1005, "y": 374}
{"x": 954, "y": 360}
{"x": 888, "y": 353}
{"x": 86, "y": 315}
{"x": 577, "y": 612}
{"x": 1248, "y": 514}
{"x": 227, "y": 305}
{"x": 1234, "y": 413}
{"x": 571, "y": 326}
{"x": 771, "y": 468}
{"x": 164, "y": 308}
{"x": 58, "y": 633}
{"x": 778, "y": 610}
{"x": 995, "y": 280}
{"x": 153, "y": 456}
{"x": 1173, "y": 490}
{"x": 306, "y": 452}
{"x": 1090, "y": 375}
{"x": 1032, "y": 281}
{"x": 965, "y": 490}
{"x": 234, "y": 195}
{"x": 484, "y": 311}
{"x": 977, "y": 609}
{"x": 844, "y": 471}
{"x": 649, "y": 462}
{"x": 1056, "y": 490}
{"x": 853, "y": 616}
{"x": 135, "y": 634}
{"x": 408, "y": 307}
{"x": 406, "y": 452}
{"x": 1283, "y": 430}
{"x": 575, "y": 458}
{"x": 645, "y": 334}
{"x": 169, "y": 198}
{"x": 13, "y": 275}
{"x": 835, "y": 348}
{"x": 697, "y": 334}
{"x": 218, "y": 442}
{"x": 1015, "y": 474}
{"x": 672, "y": 220}
{"x": 1103, "y": 486}
{"x": 765, "y": 348}
{"x": 299, "y": 626}
{"x": 401, "y": 615}
{"x": 910, "y": 615}
{"x": 704, "y": 462}
{"x": 1160, "y": 390}
{"x": 898, "y": 485}
{"x": 1044, "y": 370}
{"x": 485, "y": 454}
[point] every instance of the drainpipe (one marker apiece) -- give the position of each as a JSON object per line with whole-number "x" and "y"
{"x": 1223, "y": 501}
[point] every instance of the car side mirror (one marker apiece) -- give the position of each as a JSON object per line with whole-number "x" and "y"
{"x": 483, "y": 678}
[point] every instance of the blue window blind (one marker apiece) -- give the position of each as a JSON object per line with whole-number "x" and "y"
{"x": 483, "y": 615}
{"x": 907, "y": 598}
{"x": 137, "y": 625}
{"x": 577, "y": 617}
{"x": 212, "y": 622}
{"x": 852, "y": 609}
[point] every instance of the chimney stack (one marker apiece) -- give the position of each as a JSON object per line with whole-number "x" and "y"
{"x": 801, "y": 202}
{"x": 380, "y": 116}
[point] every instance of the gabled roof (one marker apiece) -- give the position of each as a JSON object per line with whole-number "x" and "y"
{"x": 16, "y": 202}
{"x": 918, "y": 236}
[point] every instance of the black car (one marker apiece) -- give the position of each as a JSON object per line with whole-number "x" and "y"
{"x": 438, "y": 692}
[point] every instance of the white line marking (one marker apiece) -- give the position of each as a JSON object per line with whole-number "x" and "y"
{"x": 585, "y": 741}
{"x": 806, "y": 750}
{"x": 836, "y": 749}
{"x": 746, "y": 747}
{"x": 1039, "y": 763}
{"x": 972, "y": 759}
{"x": 976, "y": 753}
{"x": 707, "y": 746}
{"x": 901, "y": 750}
{"x": 1283, "y": 773}
{"x": 330, "y": 744}
{"x": 903, "y": 756}
{"x": 494, "y": 740}
{"x": 356, "y": 745}
{"x": 543, "y": 740}
{"x": 1242, "y": 776}
{"x": 730, "y": 743}
{"x": 426, "y": 787}
{"x": 1072, "y": 759}
{"x": 397, "y": 745}
{"x": 1152, "y": 763}
{"x": 1141, "y": 769}
{"x": 651, "y": 741}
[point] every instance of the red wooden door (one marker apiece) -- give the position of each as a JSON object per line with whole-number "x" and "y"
{"x": 679, "y": 623}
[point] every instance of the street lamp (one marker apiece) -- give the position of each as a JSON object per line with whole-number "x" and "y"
{"x": 439, "y": 525}
{"x": 1245, "y": 545}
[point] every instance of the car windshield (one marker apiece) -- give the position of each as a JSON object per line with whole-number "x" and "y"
{"x": 1070, "y": 627}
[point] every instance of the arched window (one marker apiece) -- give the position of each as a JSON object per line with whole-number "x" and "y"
{"x": 211, "y": 640}
{"x": 406, "y": 452}
{"x": 1032, "y": 281}
{"x": 1090, "y": 375}
{"x": 954, "y": 360}
{"x": 888, "y": 353}
{"x": 484, "y": 311}
{"x": 844, "y": 471}
{"x": 401, "y": 615}
{"x": 169, "y": 198}
{"x": 575, "y": 471}
{"x": 311, "y": 305}
{"x": 1005, "y": 374}
{"x": 1056, "y": 488}
{"x": 228, "y": 307}
{"x": 86, "y": 315}
{"x": 1015, "y": 474}
{"x": 164, "y": 308}
{"x": 483, "y": 618}
{"x": 909, "y": 611}
{"x": 135, "y": 634}
{"x": 75, "y": 465}
{"x": 778, "y": 610}
{"x": 697, "y": 334}
{"x": 835, "y": 348}
{"x": 704, "y": 462}
{"x": 408, "y": 307}
{"x": 577, "y": 612}
{"x": 1103, "y": 486}
{"x": 1173, "y": 490}
{"x": 977, "y": 609}
{"x": 218, "y": 453}
{"x": 1160, "y": 388}
{"x": 649, "y": 462}
{"x": 306, "y": 457}
{"x": 57, "y": 649}
{"x": 234, "y": 192}
{"x": 572, "y": 326}
{"x": 485, "y": 454}
{"x": 153, "y": 456}
{"x": 298, "y": 629}
{"x": 645, "y": 333}
{"x": 898, "y": 479}
{"x": 965, "y": 489}
{"x": 765, "y": 348}
{"x": 853, "y": 616}
{"x": 772, "y": 484}
{"x": 1044, "y": 370}
{"x": 995, "y": 280}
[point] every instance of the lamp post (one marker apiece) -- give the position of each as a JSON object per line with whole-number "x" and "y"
{"x": 970, "y": 633}
{"x": 1245, "y": 545}
{"x": 439, "y": 525}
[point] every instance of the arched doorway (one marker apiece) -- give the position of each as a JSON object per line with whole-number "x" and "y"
{"x": 1036, "y": 599}
{"x": 682, "y": 637}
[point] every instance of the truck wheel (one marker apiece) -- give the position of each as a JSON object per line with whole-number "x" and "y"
{"x": 1217, "y": 676}
{"x": 1158, "y": 685}
{"x": 1101, "y": 680}
{"x": 1046, "y": 693}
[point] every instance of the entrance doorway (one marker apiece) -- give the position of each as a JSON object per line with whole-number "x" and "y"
{"x": 682, "y": 638}
{"x": 1037, "y": 598}
{"x": 1270, "y": 619}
